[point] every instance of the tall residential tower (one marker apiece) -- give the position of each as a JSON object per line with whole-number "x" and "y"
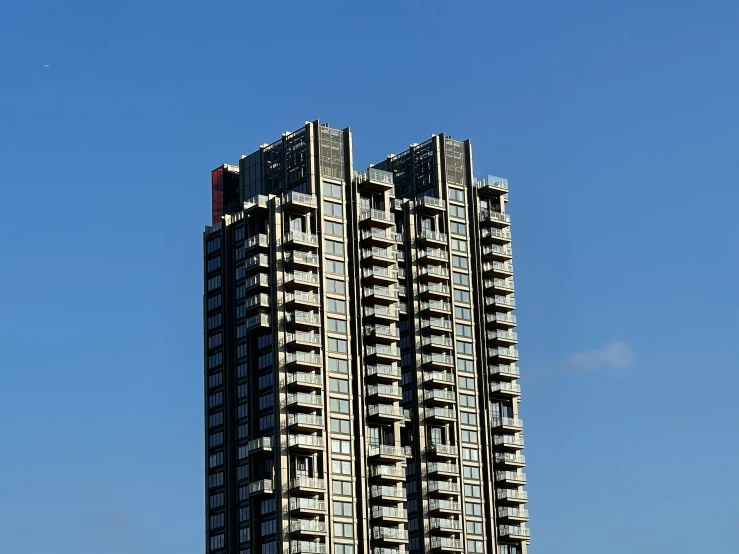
{"x": 361, "y": 389}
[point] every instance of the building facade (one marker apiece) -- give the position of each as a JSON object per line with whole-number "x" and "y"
{"x": 361, "y": 389}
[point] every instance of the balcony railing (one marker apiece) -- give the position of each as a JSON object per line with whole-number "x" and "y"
{"x": 512, "y": 493}
{"x": 304, "y": 378}
{"x": 313, "y": 338}
{"x": 435, "y": 270}
{"x": 389, "y": 390}
{"x": 435, "y": 340}
{"x": 376, "y": 175}
{"x": 513, "y": 531}
{"x": 443, "y": 486}
{"x": 435, "y": 288}
{"x": 444, "y": 449}
{"x": 492, "y": 182}
{"x": 389, "y": 533}
{"x": 445, "y": 523}
{"x": 499, "y": 300}
{"x": 302, "y": 357}
{"x": 501, "y": 318}
{"x": 302, "y": 277}
{"x": 295, "y": 197}
{"x": 438, "y": 376}
{"x": 383, "y": 369}
{"x": 385, "y": 511}
{"x": 302, "y": 296}
{"x": 259, "y": 320}
{"x": 381, "y": 349}
{"x": 444, "y": 505}
{"x": 304, "y": 398}
{"x": 443, "y": 395}
{"x": 301, "y": 257}
{"x": 496, "y": 249}
{"x": 500, "y": 234}
{"x": 445, "y": 542}
{"x": 306, "y": 440}
{"x": 387, "y": 471}
{"x": 394, "y": 492}
{"x": 307, "y": 525}
{"x": 506, "y": 457}
{"x": 507, "y": 422}
{"x": 375, "y": 214}
{"x": 380, "y": 291}
{"x": 437, "y": 253}
{"x": 440, "y": 412}
{"x": 386, "y": 253}
{"x": 263, "y": 485}
{"x": 302, "y": 317}
{"x": 256, "y": 240}
{"x": 436, "y": 305}
{"x": 513, "y": 512}
{"x": 307, "y": 482}
{"x": 443, "y": 468}
{"x": 436, "y": 322}
{"x": 430, "y": 201}
{"x": 307, "y": 504}
{"x": 512, "y": 440}
{"x": 510, "y": 476}
{"x": 512, "y": 388}
{"x": 437, "y": 359}
{"x": 260, "y": 279}
{"x": 262, "y": 443}
{"x": 433, "y": 235}
{"x": 385, "y": 409}
{"x": 384, "y": 311}
{"x": 305, "y": 419}
{"x": 302, "y": 237}
{"x": 258, "y": 200}
{"x": 384, "y": 330}
{"x": 299, "y": 547}
{"x": 379, "y": 272}
{"x": 491, "y": 215}
{"x": 504, "y": 335}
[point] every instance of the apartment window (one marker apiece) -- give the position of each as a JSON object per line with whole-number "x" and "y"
{"x": 215, "y": 480}
{"x": 215, "y": 460}
{"x": 269, "y": 527}
{"x": 216, "y": 500}
{"x": 215, "y": 341}
{"x": 342, "y": 488}
{"x": 456, "y": 211}
{"x": 215, "y": 360}
{"x": 244, "y": 537}
{"x": 214, "y": 320}
{"x": 344, "y": 549}
{"x": 339, "y": 385}
{"x": 334, "y": 228}
{"x": 243, "y": 452}
{"x": 465, "y": 365}
{"x": 461, "y": 296}
{"x": 467, "y": 418}
{"x": 215, "y": 439}
{"x": 337, "y": 326}
{"x": 240, "y": 272}
{"x": 462, "y": 313}
{"x": 213, "y": 264}
{"x": 213, "y": 245}
{"x": 240, "y": 292}
{"x": 243, "y": 472}
{"x": 331, "y": 189}
{"x": 457, "y": 228}
{"x": 217, "y": 541}
{"x": 510, "y": 549}
{"x": 215, "y": 379}
{"x": 467, "y": 383}
{"x": 335, "y": 287}
{"x": 345, "y": 530}
{"x": 216, "y": 419}
{"x": 474, "y": 528}
{"x": 338, "y": 366}
{"x": 472, "y": 490}
{"x": 341, "y": 447}
{"x": 215, "y": 400}
{"x": 243, "y": 431}
{"x": 461, "y": 279}
{"x": 239, "y": 254}
{"x": 472, "y": 472}
{"x": 268, "y": 506}
{"x": 217, "y": 521}
{"x": 337, "y": 345}
{"x": 264, "y": 341}
{"x": 456, "y": 195}
{"x": 339, "y": 405}
{"x": 469, "y": 436}
{"x": 241, "y": 331}
{"x": 343, "y": 508}
{"x": 460, "y": 262}
{"x": 335, "y": 248}
{"x": 335, "y": 267}
{"x": 460, "y": 245}
{"x": 269, "y": 548}
{"x": 238, "y": 234}
{"x": 463, "y": 330}
{"x": 244, "y": 514}
{"x": 241, "y": 351}
{"x": 466, "y": 400}
{"x": 332, "y": 209}
{"x": 341, "y": 466}
{"x": 214, "y": 283}
{"x": 242, "y": 391}
{"x": 265, "y": 360}
{"x": 464, "y": 347}
{"x": 335, "y": 306}
{"x": 266, "y": 401}
{"x": 243, "y": 411}
{"x": 266, "y": 422}
{"x": 473, "y": 509}
{"x": 471, "y": 455}
{"x": 266, "y": 381}
{"x": 474, "y": 546}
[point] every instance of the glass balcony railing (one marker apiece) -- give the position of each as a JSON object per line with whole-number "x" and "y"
{"x": 308, "y": 441}
{"x": 512, "y": 388}
{"x": 444, "y": 505}
{"x": 307, "y": 504}
{"x": 307, "y": 526}
{"x": 436, "y": 322}
{"x": 380, "y": 291}
{"x": 393, "y": 492}
{"x": 510, "y": 476}
{"x": 301, "y": 547}
{"x": 507, "y": 422}
{"x": 305, "y": 419}
{"x": 300, "y": 236}
{"x": 440, "y": 412}
{"x": 493, "y": 182}
{"x": 374, "y": 175}
{"x": 382, "y": 350}
{"x": 262, "y": 443}
{"x": 447, "y": 524}
{"x": 302, "y": 357}
{"x": 441, "y": 395}
{"x": 313, "y": 338}
{"x": 302, "y": 296}
{"x": 379, "y": 272}
{"x": 384, "y": 311}
{"x": 302, "y": 317}
{"x": 263, "y": 485}
{"x": 431, "y": 202}
{"x": 443, "y": 376}
{"x": 375, "y": 214}
{"x": 508, "y": 440}
{"x": 307, "y": 482}
{"x": 259, "y": 200}
{"x": 443, "y": 468}
{"x": 304, "y": 378}
{"x": 302, "y": 277}
{"x": 383, "y": 369}
{"x": 256, "y": 240}
{"x": 507, "y": 458}
{"x": 436, "y": 253}
{"x": 387, "y": 471}
{"x": 443, "y": 449}
{"x": 394, "y": 533}
{"x": 499, "y": 234}
{"x": 436, "y": 305}
{"x": 433, "y": 235}
{"x": 514, "y": 494}
{"x": 387, "y": 512}
{"x": 385, "y": 410}
{"x": 295, "y": 197}
{"x": 445, "y": 542}
{"x": 435, "y": 288}
{"x": 437, "y": 359}
{"x": 513, "y": 512}
{"x": 304, "y": 398}
{"x": 435, "y": 340}
{"x": 388, "y": 390}
{"x": 513, "y": 531}
{"x": 301, "y": 257}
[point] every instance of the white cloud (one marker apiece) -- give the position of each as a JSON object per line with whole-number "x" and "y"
{"x": 616, "y": 355}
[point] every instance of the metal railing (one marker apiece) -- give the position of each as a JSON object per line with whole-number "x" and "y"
{"x": 498, "y": 266}
{"x": 436, "y": 340}
{"x": 386, "y": 450}
{"x": 386, "y": 410}
{"x": 302, "y": 317}
{"x": 302, "y": 257}
{"x": 491, "y": 181}
{"x": 375, "y": 175}
{"x": 503, "y": 318}
{"x": 306, "y": 440}
{"x": 433, "y": 235}
{"x": 434, "y": 270}
{"x": 295, "y": 197}
{"x": 444, "y": 449}
{"x": 302, "y": 237}
{"x": 305, "y": 398}
{"x": 386, "y": 311}
{"x": 313, "y": 338}
{"x": 375, "y": 214}
{"x": 440, "y": 412}
{"x": 510, "y": 476}
{"x": 505, "y": 335}
{"x": 445, "y": 542}
{"x": 379, "y": 272}
{"x": 305, "y": 419}
{"x": 302, "y": 296}
{"x": 386, "y": 253}
{"x": 384, "y": 330}
{"x": 302, "y": 357}
{"x": 383, "y": 369}
{"x": 446, "y": 523}
{"x": 389, "y": 533}
{"x": 491, "y": 215}
{"x": 502, "y": 234}
{"x": 381, "y": 490}
{"x": 508, "y": 439}
{"x": 307, "y": 504}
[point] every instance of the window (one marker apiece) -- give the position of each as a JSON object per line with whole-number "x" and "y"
{"x": 343, "y": 508}
{"x": 264, "y": 341}
{"x": 469, "y": 436}
{"x": 456, "y": 211}
{"x": 461, "y": 279}
{"x": 337, "y": 345}
{"x": 216, "y": 500}
{"x": 243, "y": 411}
{"x": 338, "y": 366}
{"x": 464, "y": 347}
{"x": 214, "y": 321}
{"x": 242, "y": 391}
{"x": 216, "y": 419}
{"x": 466, "y": 400}
{"x": 243, "y": 452}
{"x": 215, "y": 480}
{"x": 473, "y": 509}
{"x": 474, "y": 546}
{"x": 269, "y": 527}
{"x": 456, "y": 195}
{"x": 337, "y": 325}
{"x": 214, "y": 302}
{"x": 341, "y": 466}
{"x": 238, "y": 234}
{"x": 335, "y": 267}
{"x": 465, "y": 365}
{"x": 332, "y": 209}
{"x": 467, "y": 418}
{"x": 463, "y": 330}
{"x": 460, "y": 245}
{"x": 344, "y": 549}
{"x": 215, "y": 379}
{"x": 266, "y": 401}
{"x": 213, "y": 264}
{"x": 243, "y": 431}
{"x": 213, "y": 245}
{"x": 243, "y": 472}
{"x": 335, "y": 306}
{"x": 215, "y": 439}
{"x": 241, "y": 351}
{"x": 474, "y": 528}
{"x": 266, "y": 422}
{"x": 334, "y": 228}
{"x": 264, "y": 361}
{"x": 471, "y": 455}
{"x": 240, "y": 292}
{"x": 239, "y": 254}
{"x": 217, "y": 541}
{"x": 336, "y": 287}
{"x": 244, "y": 537}
{"x": 462, "y": 313}
{"x": 215, "y": 360}
{"x": 266, "y": 381}
{"x": 331, "y": 189}
{"x": 345, "y": 530}
{"x": 215, "y": 400}
{"x": 472, "y": 472}
{"x": 343, "y": 488}
{"x": 339, "y": 405}
{"x": 458, "y": 228}
{"x": 335, "y": 248}
{"x": 268, "y": 506}
{"x": 510, "y": 549}
{"x": 341, "y": 447}
{"x": 240, "y": 272}
{"x": 467, "y": 383}
{"x": 217, "y": 521}
{"x": 215, "y": 460}
{"x": 461, "y": 296}
{"x": 215, "y": 341}
{"x": 472, "y": 490}
{"x": 214, "y": 283}
{"x": 244, "y": 514}
{"x": 339, "y": 385}
{"x": 460, "y": 262}
{"x": 269, "y": 548}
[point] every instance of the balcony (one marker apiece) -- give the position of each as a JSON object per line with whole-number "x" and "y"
{"x": 436, "y": 343}
{"x": 385, "y": 412}
{"x": 383, "y": 372}
{"x": 306, "y": 443}
{"x": 260, "y": 321}
{"x": 305, "y": 422}
{"x": 307, "y": 506}
{"x": 442, "y": 451}
{"x": 302, "y": 298}
{"x": 305, "y": 402}
{"x": 435, "y": 290}
{"x": 507, "y": 424}
{"x": 514, "y": 532}
{"x": 259, "y": 262}
{"x": 496, "y": 236}
{"x": 500, "y": 336}
{"x": 437, "y": 361}
{"x": 436, "y": 324}
{"x": 382, "y": 353}
{"x": 381, "y": 334}
{"x": 299, "y": 202}
{"x": 500, "y": 303}
{"x": 307, "y": 547}
{"x": 512, "y": 496}
{"x": 263, "y": 486}
{"x": 430, "y": 204}
{"x": 303, "y": 360}
{"x": 443, "y": 488}
{"x": 402, "y": 307}
{"x": 262, "y": 444}
{"x": 381, "y": 275}
{"x": 300, "y": 340}
{"x": 377, "y": 219}
{"x": 258, "y": 242}
{"x": 497, "y": 269}
{"x": 508, "y": 442}
{"x": 381, "y": 313}
{"x": 307, "y": 485}
{"x": 381, "y": 295}
{"x": 256, "y": 203}
{"x": 374, "y": 180}
{"x": 494, "y": 186}
{"x": 432, "y": 237}
{"x": 390, "y": 535}
{"x": 302, "y": 320}
{"x": 497, "y": 252}
{"x": 440, "y": 414}
{"x": 432, "y": 255}
{"x": 439, "y": 396}
{"x": 301, "y": 260}
{"x": 438, "y": 378}
{"x": 379, "y": 256}
{"x": 505, "y": 372}
{"x": 387, "y": 473}
{"x": 301, "y": 280}
{"x": 433, "y": 273}
{"x": 388, "y": 393}
{"x": 446, "y": 525}
{"x": 436, "y": 307}
{"x": 444, "y": 506}
{"x": 258, "y": 301}
{"x": 300, "y": 240}
{"x": 515, "y": 478}
{"x": 382, "y": 493}
{"x": 387, "y": 453}
{"x": 498, "y": 285}
{"x": 258, "y": 281}
{"x": 505, "y": 390}
{"x": 379, "y": 237}
{"x": 446, "y": 544}
{"x": 501, "y": 320}
{"x": 513, "y": 514}
{"x": 307, "y": 528}
{"x": 445, "y": 469}
{"x": 389, "y": 514}
{"x": 492, "y": 218}
{"x": 508, "y": 460}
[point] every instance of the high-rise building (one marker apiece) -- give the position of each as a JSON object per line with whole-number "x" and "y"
{"x": 361, "y": 389}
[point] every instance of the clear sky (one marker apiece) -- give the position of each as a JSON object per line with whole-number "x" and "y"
{"x": 616, "y": 123}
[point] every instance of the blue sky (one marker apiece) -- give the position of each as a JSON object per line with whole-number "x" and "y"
{"x": 616, "y": 123}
